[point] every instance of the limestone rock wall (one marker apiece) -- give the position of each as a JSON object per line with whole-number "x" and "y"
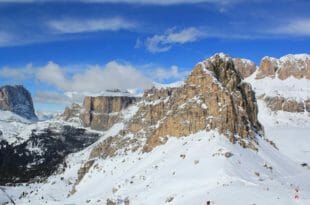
{"x": 71, "y": 113}
{"x": 297, "y": 66}
{"x": 213, "y": 97}
{"x": 102, "y": 112}
{"x": 244, "y": 66}
{"x": 288, "y": 105}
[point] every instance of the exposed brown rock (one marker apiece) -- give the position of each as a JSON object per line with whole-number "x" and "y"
{"x": 274, "y": 103}
{"x": 293, "y": 106}
{"x": 102, "y": 112}
{"x": 72, "y": 112}
{"x": 268, "y": 67}
{"x": 213, "y": 97}
{"x": 307, "y": 104}
{"x": 244, "y": 66}
{"x": 81, "y": 173}
{"x": 297, "y": 66}
{"x": 283, "y": 104}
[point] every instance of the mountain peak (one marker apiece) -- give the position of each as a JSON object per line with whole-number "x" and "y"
{"x": 17, "y": 99}
{"x": 291, "y": 65}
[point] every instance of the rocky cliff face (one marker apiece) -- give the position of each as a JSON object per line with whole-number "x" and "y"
{"x": 102, "y": 112}
{"x": 283, "y": 84}
{"x": 297, "y": 66}
{"x": 17, "y": 100}
{"x": 72, "y": 113}
{"x": 288, "y": 105}
{"x": 212, "y": 98}
{"x": 244, "y": 66}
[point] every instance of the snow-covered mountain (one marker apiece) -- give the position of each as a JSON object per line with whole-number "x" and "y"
{"x": 282, "y": 87}
{"x": 197, "y": 141}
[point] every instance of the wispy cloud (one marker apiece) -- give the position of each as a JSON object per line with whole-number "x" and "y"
{"x": 164, "y": 42}
{"x": 90, "y": 25}
{"x": 174, "y": 74}
{"x": 17, "y": 74}
{"x": 154, "y": 2}
{"x": 298, "y": 27}
{"x": 52, "y": 97}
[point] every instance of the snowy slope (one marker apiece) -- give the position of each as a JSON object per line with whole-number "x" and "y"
{"x": 188, "y": 170}
{"x": 191, "y": 170}
{"x": 298, "y": 89}
{"x": 290, "y": 131}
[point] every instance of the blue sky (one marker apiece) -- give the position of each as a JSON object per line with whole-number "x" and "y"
{"x": 56, "y": 47}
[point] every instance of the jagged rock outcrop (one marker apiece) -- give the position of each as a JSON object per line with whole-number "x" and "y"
{"x": 288, "y": 105}
{"x": 212, "y": 98}
{"x": 244, "y": 66}
{"x": 102, "y": 112}
{"x": 17, "y": 100}
{"x": 307, "y": 104}
{"x": 72, "y": 113}
{"x": 297, "y": 66}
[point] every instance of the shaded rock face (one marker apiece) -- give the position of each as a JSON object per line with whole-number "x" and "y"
{"x": 244, "y": 66}
{"x": 287, "y": 105}
{"x": 297, "y": 66}
{"x": 102, "y": 112}
{"x": 42, "y": 154}
{"x": 17, "y": 100}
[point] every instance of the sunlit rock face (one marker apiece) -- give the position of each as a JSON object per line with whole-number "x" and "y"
{"x": 244, "y": 66}
{"x": 297, "y": 66}
{"x": 102, "y": 112}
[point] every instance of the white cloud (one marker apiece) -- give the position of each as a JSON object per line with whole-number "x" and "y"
{"x": 52, "y": 97}
{"x": 90, "y": 25}
{"x": 170, "y": 74}
{"x": 164, "y": 42}
{"x": 17, "y": 74}
{"x": 95, "y": 78}
{"x": 154, "y": 2}
{"x": 298, "y": 27}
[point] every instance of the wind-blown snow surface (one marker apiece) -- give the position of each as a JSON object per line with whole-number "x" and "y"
{"x": 192, "y": 170}
{"x": 298, "y": 89}
{"x": 187, "y": 170}
{"x": 290, "y": 131}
